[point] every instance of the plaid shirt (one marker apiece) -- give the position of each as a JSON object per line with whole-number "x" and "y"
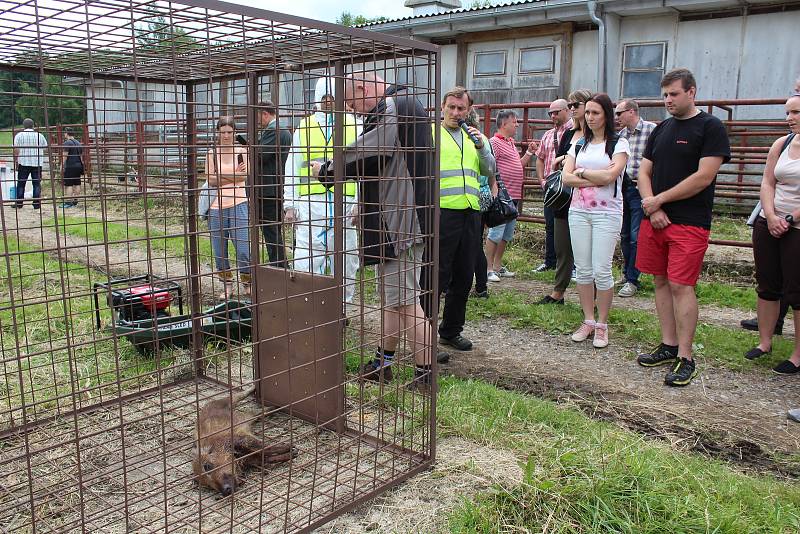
{"x": 547, "y": 146}
{"x": 638, "y": 140}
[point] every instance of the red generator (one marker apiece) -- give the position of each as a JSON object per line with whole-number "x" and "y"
{"x": 131, "y": 303}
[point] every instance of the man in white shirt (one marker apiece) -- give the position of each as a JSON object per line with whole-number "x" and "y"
{"x": 29, "y": 147}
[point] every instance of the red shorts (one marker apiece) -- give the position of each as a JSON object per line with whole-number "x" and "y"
{"x": 676, "y": 252}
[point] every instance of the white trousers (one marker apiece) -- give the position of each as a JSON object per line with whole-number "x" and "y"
{"x": 314, "y": 239}
{"x": 594, "y": 237}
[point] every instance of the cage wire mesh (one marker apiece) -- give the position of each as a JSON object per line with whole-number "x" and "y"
{"x": 128, "y": 320}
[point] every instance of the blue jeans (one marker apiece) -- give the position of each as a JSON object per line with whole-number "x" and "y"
{"x": 230, "y": 223}
{"x": 631, "y": 219}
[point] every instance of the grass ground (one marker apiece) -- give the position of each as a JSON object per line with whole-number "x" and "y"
{"x": 736, "y": 291}
{"x": 591, "y": 477}
{"x": 6, "y": 141}
{"x": 579, "y": 475}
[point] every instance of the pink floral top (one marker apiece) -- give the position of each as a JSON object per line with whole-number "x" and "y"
{"x": 598, "y": 198}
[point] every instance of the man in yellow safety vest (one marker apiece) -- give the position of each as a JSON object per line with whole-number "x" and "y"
{"x": 464, "y": 156}
{"x": 308, "y": 203}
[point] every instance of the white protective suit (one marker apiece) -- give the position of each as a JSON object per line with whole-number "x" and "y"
{"x": 314, "y": 239}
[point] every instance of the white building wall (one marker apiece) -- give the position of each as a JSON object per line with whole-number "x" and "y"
{"x": 583, "y": 66}
{"x": 770, "y": 61}
{"x": 449, "y": 59}
{"x": 711, "y": 50}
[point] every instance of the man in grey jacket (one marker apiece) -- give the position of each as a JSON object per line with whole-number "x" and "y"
{"x": 397, "y": 209}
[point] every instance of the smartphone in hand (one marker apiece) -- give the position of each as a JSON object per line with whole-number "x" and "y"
{"x": 239, "y": 159}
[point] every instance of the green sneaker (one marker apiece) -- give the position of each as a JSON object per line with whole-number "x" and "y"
{"x": 681, "y": 374}
{"x": 662, "y": 355}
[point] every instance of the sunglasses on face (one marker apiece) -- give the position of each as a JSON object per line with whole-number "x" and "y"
{"x": 555, "y": 112}
{"x": 574, "y": 105}
{"x": 618, "y": 113}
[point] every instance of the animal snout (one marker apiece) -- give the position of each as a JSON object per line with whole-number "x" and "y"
{"x": 228, "y": 485}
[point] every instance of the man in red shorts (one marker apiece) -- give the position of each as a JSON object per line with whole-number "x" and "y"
{"x": 676, "y": 181}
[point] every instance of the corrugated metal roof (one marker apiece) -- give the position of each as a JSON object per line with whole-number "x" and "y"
{"x": 462, "y": 10}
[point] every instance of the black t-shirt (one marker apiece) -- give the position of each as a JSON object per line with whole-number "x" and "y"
{"x": 675, "y": 147}
{"x": 74, "y": 150}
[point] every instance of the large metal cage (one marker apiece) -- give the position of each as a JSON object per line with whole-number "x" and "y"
{"x": 120, "y": 316}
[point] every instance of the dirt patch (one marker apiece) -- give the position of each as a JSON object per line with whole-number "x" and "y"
{"x": 734, "y": 416}
{"x": 422, "y": 504}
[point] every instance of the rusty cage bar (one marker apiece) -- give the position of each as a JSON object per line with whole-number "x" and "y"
{"x": 128, "y": 312}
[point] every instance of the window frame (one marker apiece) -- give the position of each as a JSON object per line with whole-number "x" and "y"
{"x": 550, "y": 70}
{"x": 475, "y": 72}
{"x": 624, "y": 70}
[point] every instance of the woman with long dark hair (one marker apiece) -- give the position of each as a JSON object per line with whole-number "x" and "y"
{"x": 594, "y": 168}
{"x": 228, "y": 216}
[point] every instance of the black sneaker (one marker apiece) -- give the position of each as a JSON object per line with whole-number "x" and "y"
{"x": 681, "y": 374}
{"x": 547, "y": 299}
{"x": 662, "y": 355}
{"x": 481, "y": 294}
{"x": 755, "y": 353}
{"x": 752, "y": 324}
{"x": 786, "y": 368}
{"x": 458, "y": 342}
{"x": 373, "y": 371}
{"x": 442, "y": 357}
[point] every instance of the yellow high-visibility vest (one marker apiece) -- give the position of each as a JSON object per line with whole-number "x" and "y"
{"x": 459, "y": 169}
{"x": 314, "y": 147}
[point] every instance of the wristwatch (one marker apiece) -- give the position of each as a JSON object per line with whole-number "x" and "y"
{"x": 789, "y": 219}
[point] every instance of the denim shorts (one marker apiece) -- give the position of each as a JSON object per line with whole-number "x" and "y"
{"x": 504, "y": 232}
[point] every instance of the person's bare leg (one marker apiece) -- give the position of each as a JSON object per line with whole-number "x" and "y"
{"x": 489, "y": 249}
{"x": 768, "y": 311}
{"x": 795, "y": 357}
{"x": 417, "y": 330}
{"x": 586, "y": 296}
{"x": 604, "y": 299}
{"x": 391, "y": 329}
{"x": 557, "y": 295}
{"x": 684, "y": 303}
{"x": 497, "y": 262}
{"x": 666, "y": 314}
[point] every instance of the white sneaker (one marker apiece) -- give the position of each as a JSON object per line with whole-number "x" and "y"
{"x": 492, "y": 276}
{"x": 628, "y": 290}
{"x": 505, "y": 273}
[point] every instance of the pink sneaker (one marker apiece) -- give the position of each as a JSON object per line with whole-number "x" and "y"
{"x": 600, "y": 336}
{"x": 583, "y": 333}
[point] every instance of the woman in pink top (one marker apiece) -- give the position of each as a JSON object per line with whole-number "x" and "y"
{"x": 594, "y": 168}
{"x": 228, "y": 216}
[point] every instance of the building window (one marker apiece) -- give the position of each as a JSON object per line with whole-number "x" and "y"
{"x": 403, "y": 74}
{"x": 490, "y": 64}
{"x": 309, "y": 88}
{"x": 642, "y": 69}
{"x": 537, "y": 60}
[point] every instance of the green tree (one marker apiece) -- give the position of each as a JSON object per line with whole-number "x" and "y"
{"x": 348, "y": 19}
{"x": 481, "y": 3}
{"x": 65, "y": 103}
{"x": 158, "y": 37}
